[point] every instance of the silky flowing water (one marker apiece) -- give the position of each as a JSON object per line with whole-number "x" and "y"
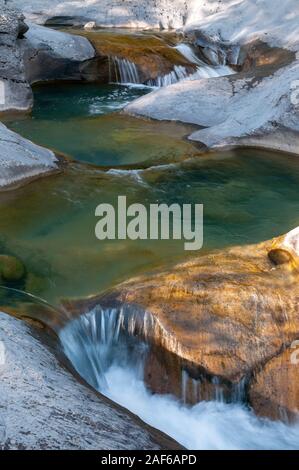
{"x": 248, "y": 196}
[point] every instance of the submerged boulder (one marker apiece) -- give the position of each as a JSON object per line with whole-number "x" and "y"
{"x": 11, "y": 268}
{"x": 44, "y": 407}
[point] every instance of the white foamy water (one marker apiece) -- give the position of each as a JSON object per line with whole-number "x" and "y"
{"x": 97, "y": 345}
{"x": 126, "y": 72}
{"x": 205, "y": 426}
{"x": 203, "y": 70}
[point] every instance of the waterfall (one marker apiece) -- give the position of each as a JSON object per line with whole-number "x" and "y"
{"x": 203, "y": 70}
{"x": 101, "y": 337}
{"x": 187, "y": 51}
{"x": 176, "y": 75}
{"x": 125, "y": 71}
{"x": 101, "y": 348}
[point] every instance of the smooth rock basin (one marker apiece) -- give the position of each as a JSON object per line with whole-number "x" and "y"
{"x": 248, "y": 196}
{"x": 76, "y": 120}
{"x": 49, "y": 225}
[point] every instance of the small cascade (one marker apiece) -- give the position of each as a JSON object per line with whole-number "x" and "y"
{"x": 203, "y": 70}
{"x": 123, "y": 71}
{"x": 219, "y": 392}
{"x": 187, "y": 51}
{"x": 239, "y": 391}
{"x": 102, "y": 347}
{"x": 185, "y": 378}
{"x": 102, "y": 337}
{"x": 176, "y": 75}
{"x": 195, "y": 390}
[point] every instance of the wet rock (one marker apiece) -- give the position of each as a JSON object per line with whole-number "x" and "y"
{"x": 11, "y": 268}
{"x": 223, "y": 315}
{"x": 152, "y": 55}
{"x": 54, "y": 55}
{"x": 41, "y": 403}
{"x": 21, "y": 160}
{"x": 274, "y": 392}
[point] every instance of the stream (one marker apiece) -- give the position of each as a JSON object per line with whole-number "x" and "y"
{"x": 248, "y": 196}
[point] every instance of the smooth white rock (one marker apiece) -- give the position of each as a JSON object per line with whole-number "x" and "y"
{"x": 275, "y": 21}
{"x": 228, "y": 107}
{"x": 109, "y": 13}
{"x": 21, "y": 159}
{"x": 59, "y": 44}
{"x": 44, "y": 407}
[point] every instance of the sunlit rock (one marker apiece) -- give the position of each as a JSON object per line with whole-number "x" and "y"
{"x": 285, "y": 249}
{"x": 223, "y": 315}
{"x": 274, "y": 392}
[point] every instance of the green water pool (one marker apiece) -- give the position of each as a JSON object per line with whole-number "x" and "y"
{"x": 248, "y": 196}
{"x": 82, "y": 121}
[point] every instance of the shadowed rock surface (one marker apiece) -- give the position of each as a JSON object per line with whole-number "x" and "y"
{"x": 15, "y": 92}
{"x": 54, "y": 55}
{"x": 44, "y": 407}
